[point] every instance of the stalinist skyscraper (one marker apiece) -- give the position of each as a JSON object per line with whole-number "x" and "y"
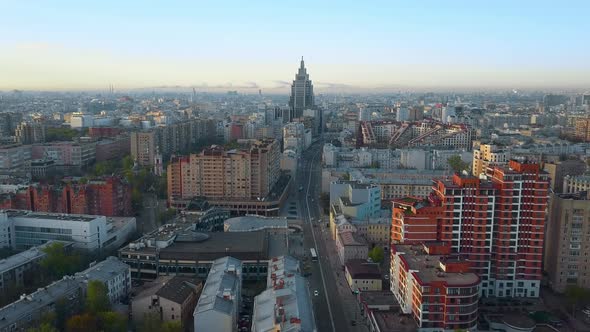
{"x": 301, "y": 93}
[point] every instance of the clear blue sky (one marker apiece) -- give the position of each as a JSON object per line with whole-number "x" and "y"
{"x": 74, "y": 44}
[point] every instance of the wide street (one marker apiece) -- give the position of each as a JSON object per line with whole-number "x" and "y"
{"x": 332, "y": 312}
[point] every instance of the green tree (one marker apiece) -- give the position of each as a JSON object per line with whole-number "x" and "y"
{"x": 171, "y": 326}
{"x": 345, "y": 176}
{"x": 576, "y": 295}
{"x": 44, "y": 327}
{"x": 110, "y": 321}
{"x": 127, "y": 163}
{"x": 457, "y": 164}
{"x": 150, "y": 323}
{"x": 377, "y": 254}
{"x": 97, "y": 299}
{"x": 59, "y": 262}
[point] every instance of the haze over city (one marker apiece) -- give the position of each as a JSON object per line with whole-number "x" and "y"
{"x": 358, "y": 46}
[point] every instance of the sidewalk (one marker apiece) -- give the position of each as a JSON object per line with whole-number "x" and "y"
{"x": 349, "y": 301}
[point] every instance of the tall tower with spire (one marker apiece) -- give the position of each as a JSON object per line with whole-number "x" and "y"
{"x": 301, "y": 93}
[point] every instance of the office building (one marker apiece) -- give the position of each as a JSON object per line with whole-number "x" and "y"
{"x": 285, "y": 305}
{"x": 218, "y": 307}
{"x": 437, "y": 290}
{"x": 355, "y": 199}
{"x": 486, "y": 155}
{"x": 15, "y": 160}
{"x": 93, "y": 233}
{"x": 177, "y": 249}
{"x": 301, "y": 93}
{"x": 29, "y": 133}
{"x": 566, "y": 241}
{"x": 171, "y": 299}
{"x": 497, "y": 224}
{"x": 143, "y": 147}
{"x": 68, "y": 156}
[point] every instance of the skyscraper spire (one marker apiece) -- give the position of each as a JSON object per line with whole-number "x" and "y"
{"x": 302, "y": 64}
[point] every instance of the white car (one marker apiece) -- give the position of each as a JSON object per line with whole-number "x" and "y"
{"x": 316, "y": 293}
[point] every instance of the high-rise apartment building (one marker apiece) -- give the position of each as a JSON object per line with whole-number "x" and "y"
{"x": 566, "y": 241}
{"x": 583, "y": 129}
{"x": 488, "y": 155}
{"x": 301, "y": 93}
{"x": 496, "y": 224}
{"x": 143, "y": 147}
{"x": 218, "y": 174}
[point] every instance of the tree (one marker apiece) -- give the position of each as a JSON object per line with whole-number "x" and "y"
{"x": 576, "y": 295}
{"x": 150, "y": 323}
{"x": 97, "y": 299}
{"x": 44, "y": 327}
{"x": 58, "y": 262}
{"x": 82, "y": 323}
{"x": 112, "y": 322}
{"x": 346, "y": 176}
{"x": 377, "y": 254}
{"x": 457, "y": 164}
{"x": 172, "y": 326}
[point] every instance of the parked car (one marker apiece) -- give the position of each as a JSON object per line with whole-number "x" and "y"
{"x": 316, "y": 293}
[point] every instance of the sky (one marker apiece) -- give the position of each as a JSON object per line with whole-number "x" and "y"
{"x": 251, "y": 45}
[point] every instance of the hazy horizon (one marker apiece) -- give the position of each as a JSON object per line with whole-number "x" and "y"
{"x": 383, "y": 46}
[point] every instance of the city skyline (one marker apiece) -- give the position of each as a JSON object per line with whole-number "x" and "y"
{"x": 386, "y": 46}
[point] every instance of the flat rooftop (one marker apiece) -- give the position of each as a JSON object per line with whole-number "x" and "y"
{"x": 428, "y": 267}
{"x": 393, "y": 321}
{"x": 251, "y": 223}
{"x": 361, "y": 269}
{"x": 379, "y": 298}
{"x": 241, "y": 245}
{"x": 51, "y": 216}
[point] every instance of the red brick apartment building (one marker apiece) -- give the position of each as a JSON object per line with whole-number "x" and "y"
{"x": 108, "y": 196}
{"x": 436, "y": 288}
{"x": 497, "y": 225}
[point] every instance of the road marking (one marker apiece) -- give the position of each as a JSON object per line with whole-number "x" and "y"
{"x": 316, "y": 243}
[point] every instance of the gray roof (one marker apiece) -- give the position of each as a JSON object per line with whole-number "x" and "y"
{"x": 25, "y": 257}
{"x": 222, "y": 287}
{"x": 104, "y": 270}
{"x": 34, "y": 302}
{"x": 178, "y": 289}
{"x": 252, "y": 223}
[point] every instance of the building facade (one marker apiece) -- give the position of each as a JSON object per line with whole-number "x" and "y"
{"x": 143, "y": 147}
{"x": 301, "y": 93}
{"x": 497, "y": 224}
{"x": 566, "y": 241}
{"x": 488, "y": 155}
{"x": 219, "y": 174}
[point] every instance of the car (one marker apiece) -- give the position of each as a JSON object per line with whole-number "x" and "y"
{"x": 316, "y": 293}
{"x": 301, "y": 188}
{"x": 353, "y": 322}
{"x": 387, "y": 277}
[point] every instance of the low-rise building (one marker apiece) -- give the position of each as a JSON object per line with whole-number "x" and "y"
{"x": 285, "y": 305}
{"x": 70, "y": 292}
{"x": 576, "y": 184}
{"x": 219, "y": 305}
{"x": 169, "y": 298}
{"x": 15, "y": 160}
{"x": 350, "y": 245}
{"x": 362, "y": 275}
{"x": 88, "y": 232}
{"x": 15, "y": 269}
{"x": 113, "y": 273}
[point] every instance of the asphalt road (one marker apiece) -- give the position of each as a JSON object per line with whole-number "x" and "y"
{"x": 328, "y": 309}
